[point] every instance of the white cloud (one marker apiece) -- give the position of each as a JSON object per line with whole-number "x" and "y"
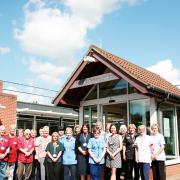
{"x": 4, "y": 50}
{"x": 46, "y": 72}
{"x": 166, "y": 69}
{"x": 59, "y": 33}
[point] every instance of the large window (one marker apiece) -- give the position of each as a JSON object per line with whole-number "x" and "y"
{"x": 140, "y": 112}
{"x": 112, "y": 88}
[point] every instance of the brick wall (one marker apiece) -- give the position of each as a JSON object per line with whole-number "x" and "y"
{"x": 8, "y": 104}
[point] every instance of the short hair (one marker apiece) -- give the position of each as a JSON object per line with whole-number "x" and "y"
{"x": 131, "y": 126}
{"x": 2, "y": 128}
{"x": 122, "y": 127}
{"x": 155, "y": 124}
{"x": 96, "y": 130}
{"x": 69, "y": 129}
{"x": 46, "y": 128}
{"x": 27, "y": 131}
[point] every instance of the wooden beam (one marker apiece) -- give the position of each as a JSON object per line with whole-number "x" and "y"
{"x": 119, "y": 72}
{"x": 94, "y": 80}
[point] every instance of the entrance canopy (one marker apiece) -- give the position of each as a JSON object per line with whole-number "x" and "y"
{"x": 100, "y": 66}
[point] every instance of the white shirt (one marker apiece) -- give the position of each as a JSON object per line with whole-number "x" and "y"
{"x": 143, "y": 144}
{"x": 158, "y": 141}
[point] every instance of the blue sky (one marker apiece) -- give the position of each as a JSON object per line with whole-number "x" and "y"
{"x": 41, "y": 42}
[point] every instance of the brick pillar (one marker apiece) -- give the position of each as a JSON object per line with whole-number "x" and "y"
{"x": 1, "y": 86}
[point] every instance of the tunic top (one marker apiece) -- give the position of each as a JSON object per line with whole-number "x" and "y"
{"x": 112, "y": 145}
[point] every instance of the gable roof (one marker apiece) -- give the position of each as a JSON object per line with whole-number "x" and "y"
{"x": 144, "y": 80}
{"x": 143, "y": 75}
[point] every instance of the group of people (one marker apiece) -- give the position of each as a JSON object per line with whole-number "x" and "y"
{"x": 97, "y": 155}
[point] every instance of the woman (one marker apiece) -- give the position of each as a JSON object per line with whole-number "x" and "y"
{"x": 158, "y": 154}
{"x": 129, "y": 154}
{"x": 69, "y": 155}
{"x": 54, "y": 150}
{"x": 143, "y": 144}
{"x": 25, "y": 157}
{"x": 77, "y": 130}
{"x": 83, "y": 156}
{"x": 114, "y": 146}
{"x": 97, "y": 149}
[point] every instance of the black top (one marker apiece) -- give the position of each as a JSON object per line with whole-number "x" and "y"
{"x": 129, "y": 143}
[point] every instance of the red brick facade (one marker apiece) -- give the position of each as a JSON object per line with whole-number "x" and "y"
{"x": 8, "y": 104}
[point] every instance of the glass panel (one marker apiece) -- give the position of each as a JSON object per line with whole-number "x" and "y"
{"x": 92, "y": 94}
{"x": 178, "y": 123}
{"x": 132, "y": 89}
{"x": 140, "y": 112}
{"x": 90, "y": 116}
{"x": 112, "y": 88}
{"x": 116, "y": 114}
{"x": 168, "y": 131}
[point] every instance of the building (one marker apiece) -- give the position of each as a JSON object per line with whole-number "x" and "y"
{"x": 111, "y": 89}
{"x": 35, "y": 116}
{"x": 8, "y": 103}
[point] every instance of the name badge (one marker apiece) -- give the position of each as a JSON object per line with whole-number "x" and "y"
{"x": 84, "y": 144}
{"x": 2, "y": 148}
{"x": 14, "y": 142}
{"x": 54, "y": 155}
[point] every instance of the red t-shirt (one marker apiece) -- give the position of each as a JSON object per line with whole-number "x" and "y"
{"x": 13, "y": 148}
{"x": 27, "y": 145}
{"x": 4, "y": 144}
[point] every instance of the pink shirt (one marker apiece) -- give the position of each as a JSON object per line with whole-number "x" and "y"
{"x": 42, "y": 144}
{"x": 4, "y": 144}
{"x": 27, "y": 145}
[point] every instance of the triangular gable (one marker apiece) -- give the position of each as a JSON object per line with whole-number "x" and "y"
{"x": 143, "y": 80}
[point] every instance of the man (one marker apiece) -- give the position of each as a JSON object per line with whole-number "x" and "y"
{"x": 25, "y": 157}
{"x": 12, "y": 158}
{"x": 4, "y": 151}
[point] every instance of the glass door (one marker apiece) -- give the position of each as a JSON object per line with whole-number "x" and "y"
{"x": 115, "y": 114}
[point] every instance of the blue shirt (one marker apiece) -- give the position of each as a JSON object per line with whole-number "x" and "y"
{"x": 96, "y": 146}
{"x": 69, "y": 155}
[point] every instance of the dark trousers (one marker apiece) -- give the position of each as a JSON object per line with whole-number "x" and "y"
{"x": 130, "y": 165}
{"x": 144, "y": 170}
{"x": 53, "y": 171}
{"x": 70, "y": 172}
{"x": 96, "y": 171}
{"x": 159, "y": 170}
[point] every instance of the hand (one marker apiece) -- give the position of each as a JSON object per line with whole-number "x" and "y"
{"x": 27, "y": 153}
{"x": 112, "y": 156}
{"x": 84, "y": 153}
{"x": 54, "y": 159}
{"x": 124, "y": 157}
{"x": 2, "y": 156}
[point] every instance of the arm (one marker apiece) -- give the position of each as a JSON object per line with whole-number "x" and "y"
{"x": 124, "y": 152}
{"x": 92, "y": 155}
{"x": 102, "y": 155}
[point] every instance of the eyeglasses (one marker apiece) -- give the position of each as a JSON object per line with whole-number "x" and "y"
{"x": 27, "y": 134}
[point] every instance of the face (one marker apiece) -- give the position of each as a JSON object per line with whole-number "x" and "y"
{"x": 131, "y": 130}
{"x": 98, "y": 125}
{"x": 155, "y": 129}
{"x": 61, "y": 133}
{"x": 2, "y": 132}
{"x": 55, "y": 137}
{"x": 85, "y": 129}
{"x": 96, "y": 134}
{"x": 69, "y": 133}
{"x": 123, "y": 130}
{"x": 142, "y": 130}
{"x": 12, "y": 131}
{"x": 20, "y": 133}
{"x": 41, "y": 132}
{"x": 27, "y": 135}
{"x": 33, "y": 134}
{"x": 113, "y": 129}
{"x": 45, "y": 133}
{"x": 77, "y": 130}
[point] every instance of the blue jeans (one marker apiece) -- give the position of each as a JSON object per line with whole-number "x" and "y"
{"x": 144, "y": 170}
{"x": 70, "y": 172}
{"x": 3, "y": 167}
{"x": 96, "y": 171}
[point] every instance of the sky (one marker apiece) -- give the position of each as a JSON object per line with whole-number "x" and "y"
{"x": 42, "y": 41}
